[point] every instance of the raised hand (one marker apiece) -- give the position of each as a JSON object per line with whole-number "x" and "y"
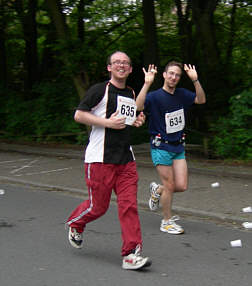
{"x": 191, "y": 72}
{"x": 150, "y": 74}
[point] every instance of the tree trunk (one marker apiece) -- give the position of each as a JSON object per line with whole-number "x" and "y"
{"x": 202, "y": 12}
{"x": 63, "y": 35}
{"x": 151, "y": 47}
{"x": 28, "y": 21}
{"x": 80, "y": 25}
{"x": 3, "y": 58}
{"x": 31, "y": 51}
{"x": 58, "y": 19}
{"x": 211, "y": 65}
{"x": 185, "y": 31}
{"x": 230, "y": 44}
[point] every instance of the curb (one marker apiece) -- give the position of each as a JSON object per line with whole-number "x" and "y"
{"x": 79, "y": 154}
{"x": 143, "y": 204}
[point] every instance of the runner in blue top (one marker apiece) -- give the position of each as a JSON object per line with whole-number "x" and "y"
{"x": 166, "y": 108}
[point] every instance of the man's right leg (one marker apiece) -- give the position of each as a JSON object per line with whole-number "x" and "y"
{"x": 166, "y": 174}
{"x": 99, "y": 180}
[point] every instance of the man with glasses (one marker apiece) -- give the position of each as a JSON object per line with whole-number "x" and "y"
{"x": 166, "y": 108}
{"x": 109, "y": 107}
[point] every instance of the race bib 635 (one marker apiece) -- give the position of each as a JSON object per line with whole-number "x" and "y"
{"x": 126, "y": 107}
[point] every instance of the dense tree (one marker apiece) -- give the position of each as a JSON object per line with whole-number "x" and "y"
{"x": 203, "y": 17}
{"x": 3, "y": 57}
{"x": 64, "y": 38}
{"x": 151, "y": 51}
{"x": 27, "y": 16}
{"x": 151, "y": 44}
{"x": 230, "y": 45}
{"x": 51, "y": 49}
{"x": 184, "y": 12}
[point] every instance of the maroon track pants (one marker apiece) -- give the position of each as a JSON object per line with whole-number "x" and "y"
{"x": 101, "y": 179}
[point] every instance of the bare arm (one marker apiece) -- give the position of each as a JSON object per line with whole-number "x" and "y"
{"x": 85, "y": 117}
{"x": 149, "y": 78}
{"x": 200, "y": 94}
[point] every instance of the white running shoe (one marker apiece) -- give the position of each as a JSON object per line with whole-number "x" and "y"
{"x": 135, "y": 261}
{"x": 75, "y": 238}
{"x": 171, "y": 227}
{"x": 154, "y": 197}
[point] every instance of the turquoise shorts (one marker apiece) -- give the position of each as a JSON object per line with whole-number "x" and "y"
{"x": 162, "y": 157}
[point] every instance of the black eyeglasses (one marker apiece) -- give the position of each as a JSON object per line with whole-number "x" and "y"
{"x": 118, "y": 63}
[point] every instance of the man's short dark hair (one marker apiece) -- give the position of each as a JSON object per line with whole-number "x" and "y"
{"x": 174, "y": 63}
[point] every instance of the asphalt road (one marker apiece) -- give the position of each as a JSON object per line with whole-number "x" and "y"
{"x": 66, "y": 173}
{"x": 35, "y": 251}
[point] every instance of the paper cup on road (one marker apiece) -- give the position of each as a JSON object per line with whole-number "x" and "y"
{"x": 236, "y": 243}
{"x": 215, "y": 185}
{"x": 247, "y": 210}
{"x": 247, "y": 225}
{"x": 2, "y": 192}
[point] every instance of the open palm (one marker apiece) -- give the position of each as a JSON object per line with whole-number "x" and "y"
{"x": 191, "y": 71}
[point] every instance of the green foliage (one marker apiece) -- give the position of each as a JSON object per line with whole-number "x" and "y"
{"x": 17, "y": 116}
{"x": 48, "y": 117}
{"x": 241, "y": 41}
{"x": 119, "y": 25}
{"x": 233, "y": 134}
{"x": 54, "y": 105}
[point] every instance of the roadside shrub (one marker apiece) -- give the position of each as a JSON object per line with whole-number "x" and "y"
{"x": 17, "y": 116}
{"x": 233, "y": 133}
{"x": 47, "y": 117}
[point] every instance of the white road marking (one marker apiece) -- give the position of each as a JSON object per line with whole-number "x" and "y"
{"x": 43, "y": 172}
{"x": 14, "y": 161}
{"x": 23, "y": 167}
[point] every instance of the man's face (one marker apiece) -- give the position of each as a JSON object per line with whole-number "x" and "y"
{"x": 120, "y": 66}
{"x": 172, "y": 76}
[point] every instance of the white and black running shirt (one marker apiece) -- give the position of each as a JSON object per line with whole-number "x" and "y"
{"x": 106, "y": 145}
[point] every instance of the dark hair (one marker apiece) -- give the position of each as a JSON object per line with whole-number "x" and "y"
{"x": 173, "y": 63}
{"x": 110, "y": 56}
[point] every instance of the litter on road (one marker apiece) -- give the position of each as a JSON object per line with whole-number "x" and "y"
{"x": 247, "y": 210}
{"x": 247, "y": 224}
{"x": 236, "y": 243}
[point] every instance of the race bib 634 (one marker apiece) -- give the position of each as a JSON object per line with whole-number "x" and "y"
{"x": 175, "y": 121}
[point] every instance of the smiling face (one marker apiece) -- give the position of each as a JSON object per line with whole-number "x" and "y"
{"x": 171, "y": 77}
{"x": 119, "y": 67}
